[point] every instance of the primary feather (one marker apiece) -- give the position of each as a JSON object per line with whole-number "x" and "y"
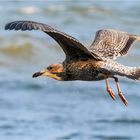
{"x": 70, "y": 45}
{"x": 110, "y": 43}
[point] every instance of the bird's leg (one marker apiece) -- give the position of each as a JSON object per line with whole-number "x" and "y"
{"x": 119, "y": 92}
{"x": 109, "y": 90}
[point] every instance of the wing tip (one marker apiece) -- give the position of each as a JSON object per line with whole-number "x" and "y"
{"x": 11, "y": 25}
{"x": 7, "y": 26}
{"x": 22, "y": 25}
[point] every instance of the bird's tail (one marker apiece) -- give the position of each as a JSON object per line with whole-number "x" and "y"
{"x": 134, "y": 73}
{"x": 118, "y": 69}
{"x": 130, "y": 72}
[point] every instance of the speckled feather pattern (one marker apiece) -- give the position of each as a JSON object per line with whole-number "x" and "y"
{"x": 88, "y": 70}
{"x": 121, "y": 70}
{"x": 92, "y": 70}
{"x": 110, "y": 43}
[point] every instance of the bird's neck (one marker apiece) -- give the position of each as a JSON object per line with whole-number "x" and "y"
{"x": 62, "y": 76}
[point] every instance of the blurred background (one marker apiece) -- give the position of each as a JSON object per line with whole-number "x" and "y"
{"x": 42, "y": 108}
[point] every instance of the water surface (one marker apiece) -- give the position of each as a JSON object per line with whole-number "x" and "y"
{"x": 43, "y": 108}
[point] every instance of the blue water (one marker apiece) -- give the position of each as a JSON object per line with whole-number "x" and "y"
{"x": 45, "y": 109}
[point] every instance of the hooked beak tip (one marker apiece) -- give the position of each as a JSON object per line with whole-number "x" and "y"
{"x": 37, "y": 74}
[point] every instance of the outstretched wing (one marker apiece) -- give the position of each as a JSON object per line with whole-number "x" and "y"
{"x": 111, "y": 43}
{"x": 71, "y": 46}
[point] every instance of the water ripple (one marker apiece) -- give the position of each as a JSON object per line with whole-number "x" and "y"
{"x": 71, "y": 136}
{"x": 46, "y": 109}
{"x": 104, "y": 137}
{"x": 122, "y": 121}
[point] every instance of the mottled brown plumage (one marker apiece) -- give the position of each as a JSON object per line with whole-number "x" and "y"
{"x": 88, "y": 64}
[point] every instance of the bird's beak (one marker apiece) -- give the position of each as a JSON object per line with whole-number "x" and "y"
{"x": 40, "y": 73}
{"x": 46, "y": 73}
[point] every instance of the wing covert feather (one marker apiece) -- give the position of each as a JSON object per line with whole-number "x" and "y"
{"x": 70, "y": 45}
{"x": 110, "y": 43}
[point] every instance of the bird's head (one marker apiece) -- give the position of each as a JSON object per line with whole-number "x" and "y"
{"x": 52, "y": 71}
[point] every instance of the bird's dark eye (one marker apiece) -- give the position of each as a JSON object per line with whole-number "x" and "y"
{"x": 50, "y": 68}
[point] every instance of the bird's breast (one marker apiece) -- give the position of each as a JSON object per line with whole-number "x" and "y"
{"x": 85, "y": 70}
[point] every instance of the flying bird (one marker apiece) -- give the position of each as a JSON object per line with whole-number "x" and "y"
{"x": 97, "y": 62}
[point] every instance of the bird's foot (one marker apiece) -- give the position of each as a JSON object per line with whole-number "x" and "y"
{"x": 123, "y": 98}
{"x": 111, "y": 93}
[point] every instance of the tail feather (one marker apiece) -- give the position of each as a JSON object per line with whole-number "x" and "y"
{"x": 135, "y": 73}
{"x": 121, "y": 70}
